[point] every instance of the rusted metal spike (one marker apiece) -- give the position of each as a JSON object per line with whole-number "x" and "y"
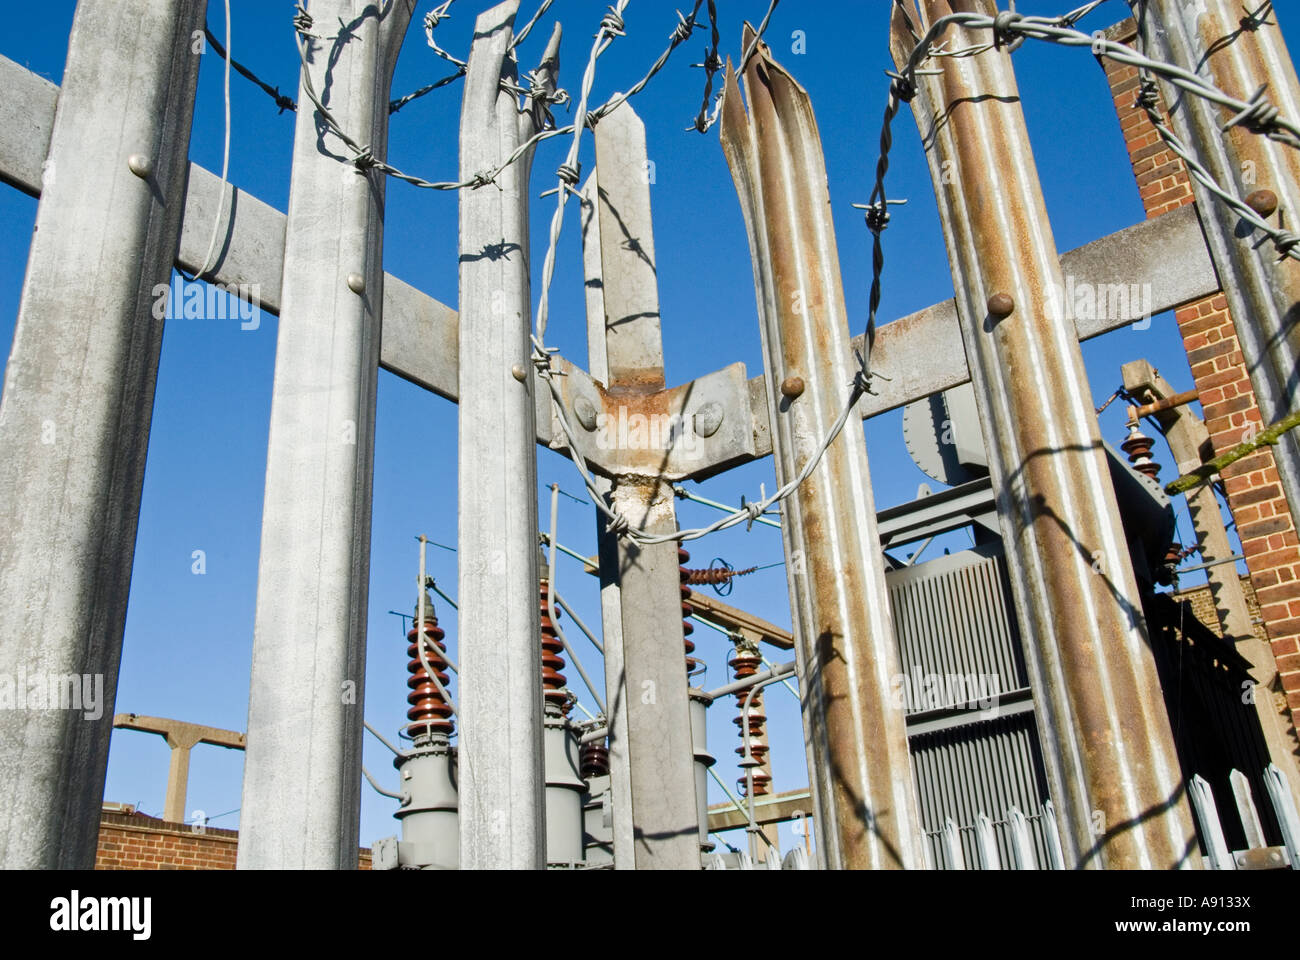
{"x": 1106, "y": 736}
{"x": 860, "y": 769}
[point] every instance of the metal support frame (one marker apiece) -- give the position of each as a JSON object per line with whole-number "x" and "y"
{"x": 302, "y": 772}
{"x": 78, "y": 400}
{"x": 1263, "y": 291}
{"x": 1106, "y": 738}
{"x": 502, "y": 813}
{"x": 861, "y": 775}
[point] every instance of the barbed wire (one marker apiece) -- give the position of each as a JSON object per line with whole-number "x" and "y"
{"x": 522, "y": 35}
{"x": 282, "y": 101}
{"x": 569, "y": 173}
{"x": 758, "y": 36}
{"x": 431, "y": 21}
{"x": 395, "y": 105}
{"x": 1255, "y": 114}
{"x": 711, "y": 64}
{"x": 365, "y": 160}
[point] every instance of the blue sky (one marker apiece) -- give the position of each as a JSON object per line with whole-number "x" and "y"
{"x": 189, "y": 637}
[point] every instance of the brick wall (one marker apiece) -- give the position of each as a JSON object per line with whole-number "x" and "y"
{"x": 133, "y": 841}
{"x": 1268, "y": 535}
{"x": 1203, "y": 608}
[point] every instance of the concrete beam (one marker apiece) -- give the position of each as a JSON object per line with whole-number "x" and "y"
{"x": 754, "y": 629}
{"x": 78, "y": 398}
{"x": 776, "y": 808}
{"x": 502, "y": 780}
{"x": 1106, "y": 741}
{"x": 861, "y": 771}
{"x": 302, "y": 773}
{"x": 181, "y": 738}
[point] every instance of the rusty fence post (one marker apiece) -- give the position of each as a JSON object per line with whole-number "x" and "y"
{"x": 860, "y": 769}
{"x": 1112, "y": 768}
{"x": 1240, "y": 56}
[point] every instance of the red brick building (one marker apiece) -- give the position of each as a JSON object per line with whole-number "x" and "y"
{"x": 1268, "y": 535}
{"x": 130, "y": 840}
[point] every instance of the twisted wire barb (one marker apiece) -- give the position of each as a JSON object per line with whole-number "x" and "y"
{"x": 1008, "y": 26}
{"x": 282, "y": 101}
{"x": 364, "y": 159}
{"x": 395, "y": 105}
{"x": 522, "y": 35}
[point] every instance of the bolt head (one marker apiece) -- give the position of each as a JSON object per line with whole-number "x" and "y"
{"x": 792, "y": 387}
{"x": 1000, "y": 305}
{"x": 708, "y": 418}
{"x": 519, "y": 372}
{"x": 1263, "y": 202}
{"x": 585, "y": 411}
{"x": 356, "y": 283}
{"x": 140, "y": 164}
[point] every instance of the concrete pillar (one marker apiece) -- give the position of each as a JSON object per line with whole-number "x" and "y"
{"x": 859, "y": 767}
{"x": 651, "y": 755}
{"x": 1112, "y": 768}
{"x": 302, "y": 773}
{"x": 618, "y": 788}
{"x": 503, "y": 780}
{"x": 1209, "y": 38}
{"x": 77, "y": 402}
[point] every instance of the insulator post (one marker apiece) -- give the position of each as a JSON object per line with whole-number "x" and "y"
{"x": 553, "y": 681}
{"x": 694, "y": 666}
{"x": 1138, "y": 447}
{"x": 745, "y": 664}
{"x": 593, "y": 758}
{"x": 429, "y": 712}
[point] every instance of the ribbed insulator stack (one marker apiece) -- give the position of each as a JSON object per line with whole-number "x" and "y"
{"x": 553, "y": 682}
{"x": 1138, "y": 447}
{"x": 694, "y": 666}
{"x": 429, "y": 712}
{"x": 593, "y": 758}
{"x": 745, "y": 664}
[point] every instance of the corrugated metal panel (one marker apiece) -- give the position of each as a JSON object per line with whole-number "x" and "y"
{"x": 952, "y": 619}
{"x": 987, "y": 767}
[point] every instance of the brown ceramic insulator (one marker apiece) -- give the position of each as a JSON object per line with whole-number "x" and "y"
{"x": 744, "y": 665}
{"x": 553, "y": 682}
{"x": 593, "y": 759}
{"x": 429, "y": 712}
{"x": 715, "y": 575}
{"x": 694, "y": 666}
{"x": 1138, "y": 446}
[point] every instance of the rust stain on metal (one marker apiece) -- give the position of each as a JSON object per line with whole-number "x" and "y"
{"x": 1105, "y": 731}
{"x": 862, "y": 780}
